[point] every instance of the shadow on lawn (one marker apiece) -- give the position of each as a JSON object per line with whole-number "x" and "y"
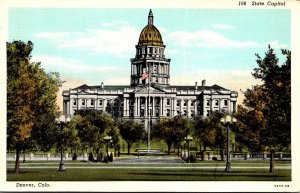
{"x": 236, "y": 175}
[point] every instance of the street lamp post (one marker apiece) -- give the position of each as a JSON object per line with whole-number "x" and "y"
{"x": 188, "y": 138}
{"x": 107, "y": 140}
{"x": 62, "y": 120}
{"x": 227, "y": 120}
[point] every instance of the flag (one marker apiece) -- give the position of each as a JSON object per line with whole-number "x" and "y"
{"x": 144, "y": 76}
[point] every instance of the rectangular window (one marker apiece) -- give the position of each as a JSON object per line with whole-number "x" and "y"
{"x": 178, "y": 102}
{"x": 142, "y": 112}
{"x": 217, "y": 103}
{"x": 208, "y": 103}
{"x": 192, "y": 113}
{"x": 75, "y": 102}
{"x": 225, "y": 102}
{"x": 108, "y": 103}
{"x": 157, "y": 101}
{"x": 92, "y": 101}
{"x": 185, "y": 103}
{"x": 168, "y": 112}
{"x": 100, "y": 102}
{"x": 168, "y": 101}
{"x": 142, "y": 101}
{"x": 83, "y": 102}
{"x": 192, "y": 103}
{"x": 185, "y": 113}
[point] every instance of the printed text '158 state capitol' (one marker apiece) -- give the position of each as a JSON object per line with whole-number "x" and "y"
{"x": 150, "y": 65}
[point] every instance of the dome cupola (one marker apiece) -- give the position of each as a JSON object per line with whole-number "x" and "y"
{"x": 150, "y": 35}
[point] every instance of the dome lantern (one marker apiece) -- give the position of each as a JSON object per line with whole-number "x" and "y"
{"x": 150, "y": 18}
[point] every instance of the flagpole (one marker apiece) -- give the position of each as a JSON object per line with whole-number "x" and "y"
{"x": 149, "y": 108}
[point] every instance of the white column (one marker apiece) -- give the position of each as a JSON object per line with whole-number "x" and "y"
{"x": 161, "y": 106}
{"x": 195, "y": 108}
{"x": 104, "y": 104}
{"x": 204, "y": 107}
{"x": 146, "y": 106}
{"x": 173, "y": 106}
{"x": 180, "y": 106}
{"x": 136, "y": 107}
{"x": 125, "y": 108}
{"x": 188, "y": 108}
{"x": 153, "y": 107}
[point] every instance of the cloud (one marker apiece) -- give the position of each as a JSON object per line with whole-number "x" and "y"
{"x": 114, "y": 38}
{"x": 208, "y": 38}
{"x": 235, "y": 80}
{"x": 276, "y": 45}
{"x": 51, "y": 62}
{"x": 51, "y": 35}
{"x": 114, "y": 23}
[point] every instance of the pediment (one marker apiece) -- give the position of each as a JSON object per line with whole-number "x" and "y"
{"x": 83, "y": 91}
{"x": 144, "y": 90}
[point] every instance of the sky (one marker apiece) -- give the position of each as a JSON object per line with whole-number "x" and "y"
{"x": 90, "y": 46}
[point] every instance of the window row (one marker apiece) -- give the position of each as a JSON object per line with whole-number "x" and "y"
{"x": 91, "y": 102}
{"x": 150, "y": 50}
{"x": 216, "y": 102}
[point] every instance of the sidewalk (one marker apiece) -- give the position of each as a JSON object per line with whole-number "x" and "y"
{"x": 149, "y": 159}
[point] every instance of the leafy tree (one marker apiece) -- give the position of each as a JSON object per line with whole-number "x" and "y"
{"x": 31, "y": 99}
{"x": 266, "y": 118}
{"x": 72, "y": 134}
{"x": 210, "y": 132}
{"x": 92, "y": 126}
{"x": 131, "y": 132}
{"x": 171, "y": 130}
{"x": 201, "y": 132}
{"x": 114, "y": 132}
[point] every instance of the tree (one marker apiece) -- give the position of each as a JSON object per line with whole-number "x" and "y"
{"x": 31, "y": 98}
{"x": 267, "y": 112}
{"x": 91, "y": 128}
{"x": 210, "y": 133}
{"x": 45, "y": 132}
{"x": 131, "y": 132}
{"x": 171, "y": 130}
{"x": 72, "y": 134}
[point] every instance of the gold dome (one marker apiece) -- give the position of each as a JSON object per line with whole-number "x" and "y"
{"x": 150, "y": 35}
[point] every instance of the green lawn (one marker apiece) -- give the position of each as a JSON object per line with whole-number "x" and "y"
{"x": 202, "y": 171}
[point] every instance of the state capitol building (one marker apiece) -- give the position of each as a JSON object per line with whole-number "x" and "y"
{"x": 150, "y": 79}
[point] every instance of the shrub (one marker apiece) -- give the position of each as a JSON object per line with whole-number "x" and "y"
{"x": 111, "y": 157}
{"x": 74, "y": 157}
{"x": 215, "y": 158}
{"x": 91, "y": 157}
{"x": 193, "y": 158}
